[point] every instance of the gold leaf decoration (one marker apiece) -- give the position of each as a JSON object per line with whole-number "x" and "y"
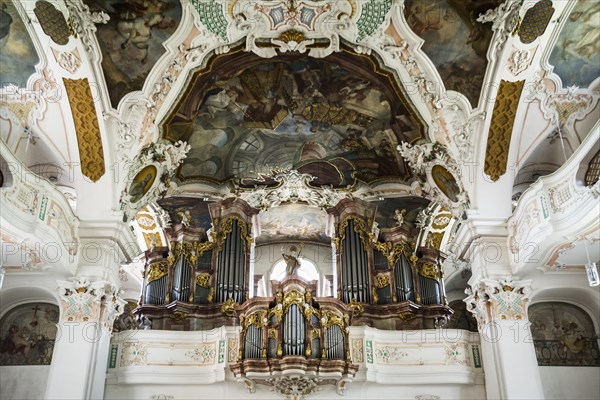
{"x": 382, "y": 280}
{"x": 53, "y": 22}
{"x": 91, "y": 153}
{"x": 152, "y": 240}
{"x": 505, "y": 109}
{"x": 292, "y": 36}
{"x": 203, "y": 280}
{"x": 157, "y": 271}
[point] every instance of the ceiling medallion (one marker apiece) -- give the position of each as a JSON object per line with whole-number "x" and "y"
{"x": 291, "y": 187}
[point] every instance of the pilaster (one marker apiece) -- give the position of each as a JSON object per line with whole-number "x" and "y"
{"x": 88, "y": 310}
{"x": 500, "y": 307}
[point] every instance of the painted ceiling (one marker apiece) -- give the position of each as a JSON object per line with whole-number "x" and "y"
{"x": 339, "y": 117}
{"x": 17, "y": 52}
{"x": 323, "y": 118}
{"x": 454, "y": 40}
{"x": 576, "y": 56}
{"x": 132, "y": 40}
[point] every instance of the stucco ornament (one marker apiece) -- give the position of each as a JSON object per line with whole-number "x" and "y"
{"x": 165, "y": 157}
{"x": 293, "y": 187}
{"x": 498, "y": 300}
{"x": 422, "y": 158}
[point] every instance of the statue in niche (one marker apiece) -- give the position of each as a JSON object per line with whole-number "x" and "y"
{"x": 292, "y": 259}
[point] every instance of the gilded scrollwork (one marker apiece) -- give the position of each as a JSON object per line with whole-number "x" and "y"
{"x": 357, "y": 307}
{"x": 382, "y": 280}
{"x": 429, "y": 270}
{"x": 227, "y": 227}
{"x": 157, "y": 271}
{"x": 203, "y": 280}
{"x": 190, "y": 250}
{"x": 228, "y": 308}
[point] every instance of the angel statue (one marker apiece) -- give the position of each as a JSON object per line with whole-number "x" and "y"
{"x": 399, "y": 216}
{"x": 292, "y": 259}
{"x": 186, "y": 218}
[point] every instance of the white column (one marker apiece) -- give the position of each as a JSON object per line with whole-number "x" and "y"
{"x": 509, "y": 361}
{"x": 79, "y": 361}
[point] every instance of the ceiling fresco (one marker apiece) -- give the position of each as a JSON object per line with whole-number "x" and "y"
{"x": 132, "y": 40}
{"x": 293, "y": 222}
{"x": 576, "y": 55}
{"x": 454, "y": 41}
{"x": 17, "y": 53}
{"x": 387, "y": 209}
{"x": 314, "y": 116}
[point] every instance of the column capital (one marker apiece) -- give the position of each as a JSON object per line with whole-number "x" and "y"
{"x": 504, "y": 299}
{"x": 83, "y": 300}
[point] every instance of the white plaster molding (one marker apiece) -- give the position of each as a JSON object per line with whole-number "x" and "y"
{"x": 83, "y": 300}
{"x": 170, "y": 357}
{"x": 417, "y": 357}
{"x": 553, "y": 207}
{"x": 84, "y": 24}
{"x": 504, "y": 19}
{"x": 422, "y": 158}
{"x": 165, "y": 157}
{"x": 493, "y": 300}
{"x": 293, "y": 187}
{"x": 34, "y": 210}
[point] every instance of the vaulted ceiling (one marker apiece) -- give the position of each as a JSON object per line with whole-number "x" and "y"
{"x": 456, "y": 102}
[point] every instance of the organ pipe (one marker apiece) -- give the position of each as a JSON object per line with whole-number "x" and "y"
{"x": 231, "y": 265}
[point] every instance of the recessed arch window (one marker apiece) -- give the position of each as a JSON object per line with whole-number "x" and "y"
{"x": 307, "y": 271}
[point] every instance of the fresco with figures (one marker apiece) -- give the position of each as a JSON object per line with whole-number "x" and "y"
{"x": 18, "y": 57}
{"x": 27, "y": 334}
{"x": 388, "y": 211}
{"x": 310, "y": 115}
{"x": 454, "y": 41}
{"x": 132, "y": 40}
{"x": 563, "y": 335}
{"x": 293, "y": 222}
{"x": 188, "y": 211}
{"x": 576, "y": 56}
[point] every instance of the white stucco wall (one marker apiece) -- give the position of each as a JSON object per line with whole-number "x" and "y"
{"x": 23, "y": 382}
{"x": 571, "y": 382}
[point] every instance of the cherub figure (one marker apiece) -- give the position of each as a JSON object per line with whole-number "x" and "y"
{"x": 399, "y": 216}
{"x": 186, "y": 218}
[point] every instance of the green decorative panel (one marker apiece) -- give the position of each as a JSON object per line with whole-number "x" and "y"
{"x": 369, "y": 352}
{"x": 212, "y": 17}
{"x": 372, "y": 16}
